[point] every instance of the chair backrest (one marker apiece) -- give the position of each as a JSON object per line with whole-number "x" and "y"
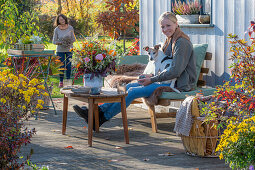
{"x": 133, "y": 59}
{"x": 201, "y": 82}
{"x": 199, "y": 52}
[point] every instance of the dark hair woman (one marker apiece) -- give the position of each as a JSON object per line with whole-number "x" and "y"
{"x": 64, "y": 38}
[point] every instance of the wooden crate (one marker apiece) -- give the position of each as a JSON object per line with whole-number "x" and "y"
{"x": 30, "y": 53}
{"x": 30, "y": 47}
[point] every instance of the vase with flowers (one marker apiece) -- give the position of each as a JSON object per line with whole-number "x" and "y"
{"x": 93, "y": 61}
{"x": 186, "y": 13}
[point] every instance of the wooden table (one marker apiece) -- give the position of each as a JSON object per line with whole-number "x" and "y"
{"x": 106, "y": 96}
{"x": 31, "y": 60}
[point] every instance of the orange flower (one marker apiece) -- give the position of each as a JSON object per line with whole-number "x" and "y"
{"x": 90, "y": 45}
{"x": 112, "y": 53}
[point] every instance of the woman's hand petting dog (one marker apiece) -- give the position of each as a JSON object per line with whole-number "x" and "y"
{"x": 144, "y": 81}
{"x": 142, "y": 76}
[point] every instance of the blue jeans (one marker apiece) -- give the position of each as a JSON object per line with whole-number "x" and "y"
{"x": 65, "y": 59}
{"x": 135, "y": 91}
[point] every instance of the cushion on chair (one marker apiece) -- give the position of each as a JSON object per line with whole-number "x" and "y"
{"x": 132, "y": 59}
{"x": 183, "y": 95}
{"x": 199, "y": 52}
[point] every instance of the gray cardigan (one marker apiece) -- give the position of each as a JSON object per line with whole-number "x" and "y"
{"x": 66, "y": 37}
{"x": 184, "y": 67}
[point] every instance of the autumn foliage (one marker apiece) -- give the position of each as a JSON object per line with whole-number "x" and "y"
{"x": 19, "y": 100}
{"x": 121, "y": 16}
{"x": 238, "y": 140}
{"x": 134, "y": 48}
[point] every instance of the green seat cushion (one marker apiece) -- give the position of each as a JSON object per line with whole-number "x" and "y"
{"x": 183, "y": 95}
{"x": 199, "y": 53}
{"x": 141, "y": 59}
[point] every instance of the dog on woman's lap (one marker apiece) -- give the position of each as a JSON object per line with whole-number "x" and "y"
{"x": 159, "y": 62}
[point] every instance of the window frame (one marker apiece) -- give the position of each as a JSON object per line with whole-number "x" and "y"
{"x": 202, "y": 2}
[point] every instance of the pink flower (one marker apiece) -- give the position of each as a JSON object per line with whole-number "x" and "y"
{"x": 87, "y": 59}
{"x": 99, "y": 57}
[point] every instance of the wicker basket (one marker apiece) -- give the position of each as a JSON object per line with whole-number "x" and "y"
{"x": 203, "y": 138}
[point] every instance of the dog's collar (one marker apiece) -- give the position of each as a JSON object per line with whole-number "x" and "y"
{"x": 166, "y": 58}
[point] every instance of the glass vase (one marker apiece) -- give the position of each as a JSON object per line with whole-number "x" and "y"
{"x": 95, "y": 83}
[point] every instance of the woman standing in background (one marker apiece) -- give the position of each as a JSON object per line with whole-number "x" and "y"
{"x": 64, "y": 38}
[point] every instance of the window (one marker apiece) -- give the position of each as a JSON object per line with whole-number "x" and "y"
{"x": 206, "y": 7}
{"x": 205, "y": 11}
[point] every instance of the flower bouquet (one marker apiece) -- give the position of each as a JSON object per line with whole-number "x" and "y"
{"x": 91, "y": 57}
{"x": 66, "y": 41}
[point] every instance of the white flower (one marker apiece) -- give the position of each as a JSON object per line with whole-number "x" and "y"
{"x": 36, "y": 39}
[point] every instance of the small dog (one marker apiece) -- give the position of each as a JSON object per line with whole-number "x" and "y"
{"x": 161, "y": 63}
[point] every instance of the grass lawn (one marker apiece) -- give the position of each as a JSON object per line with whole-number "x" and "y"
{"x": 55, "y": 79}
{"x": 56, "y": 89}
{"x": 128, "y": 43}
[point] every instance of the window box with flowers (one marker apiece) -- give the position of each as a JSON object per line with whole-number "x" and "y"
{"x": 193, "y": 13}
{"x": 30, "y": 43}
{"x": 186, "y": 12}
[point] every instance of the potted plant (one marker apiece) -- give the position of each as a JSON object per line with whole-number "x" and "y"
{"x": 237, "y": 118}
{"x": 94, "y": 61}
{"x": 29, "y": 43}
{"x": 186, "y": 13}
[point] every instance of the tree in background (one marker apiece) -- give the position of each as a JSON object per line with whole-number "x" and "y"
{"x": 121, "y": 15}
{"x": 16, "y": 20}
{"x": 81, "y": 13}
{"x": 59, "y": 7}
{"x": 26, "y": 5}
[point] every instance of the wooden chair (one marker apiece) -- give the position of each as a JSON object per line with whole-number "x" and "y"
{"x": 167, "y": 97}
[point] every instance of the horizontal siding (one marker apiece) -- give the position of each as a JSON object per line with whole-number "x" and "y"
{"x": 228, "y": 16}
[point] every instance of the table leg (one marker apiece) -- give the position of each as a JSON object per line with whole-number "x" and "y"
{"x": 95, "y": 109}
{"x": 65, "y": 108}
{"x": 124, "y": 118}
{"x": 90, "y": 128}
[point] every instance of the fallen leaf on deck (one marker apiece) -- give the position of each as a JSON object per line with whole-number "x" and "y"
{"x": 84, "y": 127}
{"x": 55, "y": 130}
{"x": 114, "y": 160}
{"x": 118, "y": 147}
{"x": 130, "y": 128}
{"x": 166, "y": 154}
{"x": 69, "y": 147}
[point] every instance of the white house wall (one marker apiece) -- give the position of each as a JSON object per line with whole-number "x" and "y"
{"x": 228, "y": 16}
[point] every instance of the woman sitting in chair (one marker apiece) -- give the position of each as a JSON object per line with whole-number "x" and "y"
{"x": 179, "y": 47}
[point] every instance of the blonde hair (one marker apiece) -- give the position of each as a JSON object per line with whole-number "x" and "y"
{"x": 169, "y": 15}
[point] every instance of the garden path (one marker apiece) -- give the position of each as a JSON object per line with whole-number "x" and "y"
{"x": 146, "y": 150}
